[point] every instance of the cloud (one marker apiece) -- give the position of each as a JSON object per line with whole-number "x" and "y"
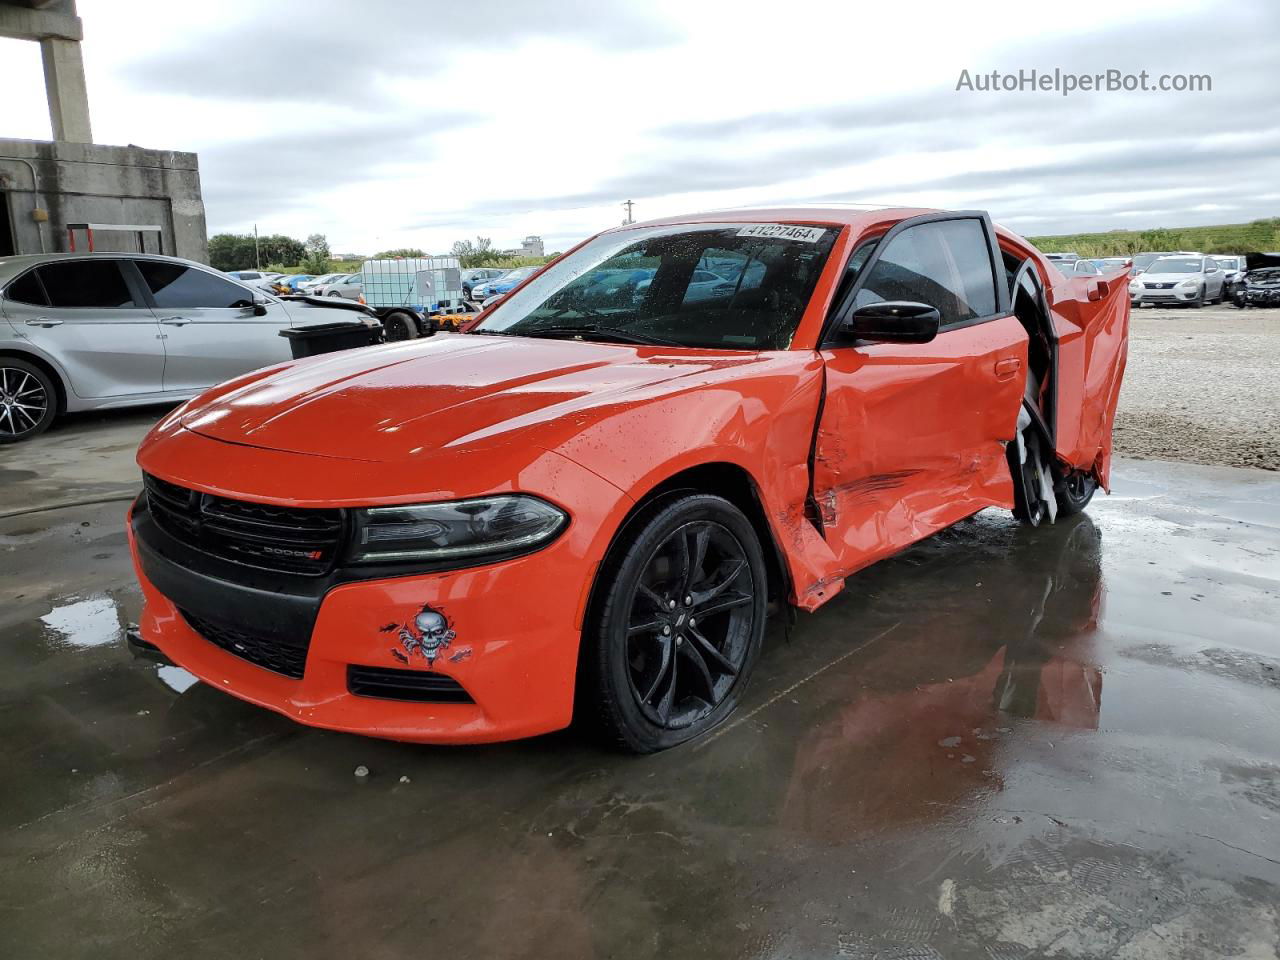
{"x": 247, "y": 179}
{"x": 300, "y": 52}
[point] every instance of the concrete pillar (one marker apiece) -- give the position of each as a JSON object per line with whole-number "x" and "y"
{"x": 64, "y": 85}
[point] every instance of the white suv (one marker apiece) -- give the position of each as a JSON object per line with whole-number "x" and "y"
{"x": 94, "y": 330}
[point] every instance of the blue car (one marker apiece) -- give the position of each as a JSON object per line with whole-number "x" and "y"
{"x": 503, "y": 284}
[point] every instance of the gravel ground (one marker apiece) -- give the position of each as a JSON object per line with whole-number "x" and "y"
{"x": 1203, "y": 386}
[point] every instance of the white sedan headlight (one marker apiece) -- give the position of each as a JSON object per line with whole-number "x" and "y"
{"x": 1189, "y": 283}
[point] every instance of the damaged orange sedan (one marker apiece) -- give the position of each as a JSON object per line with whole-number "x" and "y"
{"x": 585, "y": 501}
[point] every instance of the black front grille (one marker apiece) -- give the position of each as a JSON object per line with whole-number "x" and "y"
{"x": 418, "y": 686}
{"x": 287, "y": 539}
{"x": 264, "y": 651}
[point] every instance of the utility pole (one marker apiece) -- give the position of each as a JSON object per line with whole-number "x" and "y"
{"x": 257, "y": 260}
{"x": 628, "y": 204}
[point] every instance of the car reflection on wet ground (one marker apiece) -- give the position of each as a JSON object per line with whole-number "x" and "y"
{"x": 1003, "y": 743}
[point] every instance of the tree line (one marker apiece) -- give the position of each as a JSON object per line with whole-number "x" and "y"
{"x": 242, "y": 251}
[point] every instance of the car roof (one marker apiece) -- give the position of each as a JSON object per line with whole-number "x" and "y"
{"x": 842, "y": 215}
{"x": 12, "y": 266}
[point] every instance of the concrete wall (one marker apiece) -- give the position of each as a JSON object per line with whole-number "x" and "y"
{"x": 95, "y": 183}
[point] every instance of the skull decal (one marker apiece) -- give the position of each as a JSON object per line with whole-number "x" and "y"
{"x": 427, "y": 635}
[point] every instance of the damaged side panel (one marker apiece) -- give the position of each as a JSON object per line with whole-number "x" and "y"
{"x": 1093, "y": 337}
{"x": 912, "y": 436}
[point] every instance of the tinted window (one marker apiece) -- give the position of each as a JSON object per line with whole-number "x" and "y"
{"x": 946, "y": 265}
{"x": 27, "y": 289}
{"x": 174, "y": 285}
{"x": 85, "y": 283}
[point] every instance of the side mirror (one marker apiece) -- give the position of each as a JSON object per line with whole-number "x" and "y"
{"x": 894, "y": 321}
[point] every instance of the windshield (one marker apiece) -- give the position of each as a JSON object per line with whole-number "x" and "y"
{"x": 1227, "y": 263}
{"x": 1176, "y": 265}
{"x": 518, "y": 274}
{"x": 736, "y": 286}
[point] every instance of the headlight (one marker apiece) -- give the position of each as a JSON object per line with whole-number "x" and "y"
{"x": 1189, "y": 283}
{"x": 458, "y": 529}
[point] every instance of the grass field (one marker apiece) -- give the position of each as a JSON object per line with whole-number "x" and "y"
{"x": 1256, "y": 236}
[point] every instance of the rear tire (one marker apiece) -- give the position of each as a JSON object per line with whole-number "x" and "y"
{"x": 1074, "y": 491}
{"x": 28, "y": 400}
{"x": 676, "y": 624}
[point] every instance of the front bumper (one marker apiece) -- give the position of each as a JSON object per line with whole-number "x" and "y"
{"x": 514, "y": 651}
{"x": 1259, "y": 296}
{"x": 1171, "y": 295}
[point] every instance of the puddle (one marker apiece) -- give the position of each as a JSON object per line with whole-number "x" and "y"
{"x": 85, "y": 621}
{"x": 176, "y": 679}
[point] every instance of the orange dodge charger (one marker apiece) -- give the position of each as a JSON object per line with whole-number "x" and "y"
{"x": 585, "y": 500}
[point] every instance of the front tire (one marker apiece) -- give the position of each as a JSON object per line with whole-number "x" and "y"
{"x": 28, "y": 400}
{"x": 676, "y": 624}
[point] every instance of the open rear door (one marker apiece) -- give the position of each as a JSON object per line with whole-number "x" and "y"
{"x": 1091, "y": 317}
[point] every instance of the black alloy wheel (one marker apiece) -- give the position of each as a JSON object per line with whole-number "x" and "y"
{"x": 676, "y": 635}
{"x": 28, "y": 402}
{"x": 1074, "y": 491}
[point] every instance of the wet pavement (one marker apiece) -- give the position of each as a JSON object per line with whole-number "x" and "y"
{"x": 1003, "y": 743}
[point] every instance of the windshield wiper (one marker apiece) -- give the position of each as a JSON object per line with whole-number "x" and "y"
{"x": 587, "y": 331}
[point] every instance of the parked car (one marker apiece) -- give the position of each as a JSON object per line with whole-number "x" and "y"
{"x": 1233, "y": 269}
{"x": 1193, "y": 281}
{"x": 501, "y": 285}
{"x": 1062, "y": 257}
{"x": 1111, "y": 263}
{"x": 309, "y": 286}
{"x": 258, "y": 279}
{"x": 95, "y": 330}
{"x": 1142, "y": 261}
{"x": 1260, "y": 285}
{"x": 288, "y": 284}
{"x": 478, "y": 275}
{"x": 347, "y": 286}
{"x": 1077, "y": 268}
{"x": 590, "y": 507}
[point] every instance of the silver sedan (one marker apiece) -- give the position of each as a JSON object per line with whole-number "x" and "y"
{"x": 98, "y": 330}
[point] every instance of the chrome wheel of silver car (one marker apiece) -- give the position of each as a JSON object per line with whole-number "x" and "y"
{"x": 26, "y": 401}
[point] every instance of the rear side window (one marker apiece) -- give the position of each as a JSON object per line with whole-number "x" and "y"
{"x": 946, "y": 264}
{"x": 85, "y": 283}
{"x": 27, "y": 289}
{"x": 176, "y": 286}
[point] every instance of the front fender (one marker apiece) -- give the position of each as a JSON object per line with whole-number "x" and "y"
{"x": 760, "y": 421}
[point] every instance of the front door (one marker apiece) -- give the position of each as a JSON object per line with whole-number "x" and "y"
{"x": 211, "y": 331}
{"x": 911, "y": 436}
{"x": 84, "y": 315}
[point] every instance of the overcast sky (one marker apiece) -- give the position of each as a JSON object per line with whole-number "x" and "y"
{"x": 390, "y": 122}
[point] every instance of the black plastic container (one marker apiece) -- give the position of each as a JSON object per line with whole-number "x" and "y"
{"x": 329, "y": 337}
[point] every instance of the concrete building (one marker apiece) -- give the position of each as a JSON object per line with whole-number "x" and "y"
{"x": 532, "y": 247}
{"x": 71, "y": 191}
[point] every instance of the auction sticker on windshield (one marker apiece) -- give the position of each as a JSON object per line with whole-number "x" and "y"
{"x": 783, "y": 231}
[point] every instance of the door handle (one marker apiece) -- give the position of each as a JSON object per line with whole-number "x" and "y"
{"x": 1007, "y": 368}
{"x": 174, "y": 321}
{"x": 44, "y": 322}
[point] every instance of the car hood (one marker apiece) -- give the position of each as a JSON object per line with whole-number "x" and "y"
{"x": 451, "y": 391}
{"x": 1169, "y": 277}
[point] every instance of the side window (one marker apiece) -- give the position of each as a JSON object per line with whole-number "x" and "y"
{"x": 27, "y": 289}
{"x": 175, "y": 286}
{"x": 946, "y": 264}
{"x": 85, "y": 283}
